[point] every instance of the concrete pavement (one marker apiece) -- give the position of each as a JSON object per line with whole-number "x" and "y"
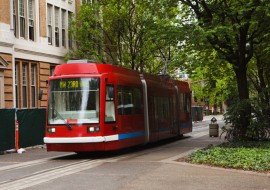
{"x": 195, "y": 176}
{"x": 154, "y": 168}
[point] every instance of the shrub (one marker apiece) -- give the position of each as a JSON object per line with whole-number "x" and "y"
{"x": 237, "y": 116}
{"x": 247, "y": 155}
{"x": 258, "y": 121}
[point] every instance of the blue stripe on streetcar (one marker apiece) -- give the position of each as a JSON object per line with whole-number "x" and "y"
{"x": 184, "y": 125}
{"x": 131, "y": 135}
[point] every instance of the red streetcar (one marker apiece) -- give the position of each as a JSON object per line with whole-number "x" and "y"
{"x": 101, "y": 107}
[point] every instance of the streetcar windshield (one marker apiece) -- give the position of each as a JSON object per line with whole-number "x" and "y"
{"x": 73, "y": 101}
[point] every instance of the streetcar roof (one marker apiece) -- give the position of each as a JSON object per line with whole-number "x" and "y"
{"x": 83, "y": 67}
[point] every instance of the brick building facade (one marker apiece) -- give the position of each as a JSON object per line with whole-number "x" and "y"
{"x": 33, "y": 40}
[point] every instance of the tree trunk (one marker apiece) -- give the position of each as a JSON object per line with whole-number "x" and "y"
{"x": 245, "y": 111}
{"x": 242, "y": 84}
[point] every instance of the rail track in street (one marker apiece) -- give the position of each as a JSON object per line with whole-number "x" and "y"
{"x": 43, "y": 173}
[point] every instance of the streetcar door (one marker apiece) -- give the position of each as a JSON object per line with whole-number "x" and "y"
{"x": 109, "y": 104}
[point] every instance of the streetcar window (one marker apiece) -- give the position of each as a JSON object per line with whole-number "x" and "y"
{"x": 162, "y": 107}
{"x": 120, "y": 101}
{"x": 137, "y": 101}
{"x": 188, "y": 106}
{"x": 129, "y": 100}
{"x": 109, "y": 107}
{"x": 184, "y": 99}
{"x": 74, "y": 101}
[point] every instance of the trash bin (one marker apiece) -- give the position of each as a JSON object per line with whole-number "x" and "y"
{"x": 213, "y": 128}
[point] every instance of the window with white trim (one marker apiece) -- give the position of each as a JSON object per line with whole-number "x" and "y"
{"x": 69, "y": 35}
{"x": 14, "y": 18}
{"x": 22, "y": 18}
{"x": 63, "y": 18}
{"x": 17, "y": 83}
{"x": 24, "y": 85}
{"x": 49, "y": 23}
{"x": 56, "y": 25}
{"x": 33, "y": 85}
{"x": 26, "y": 80}
{"x": 31, "y": 31}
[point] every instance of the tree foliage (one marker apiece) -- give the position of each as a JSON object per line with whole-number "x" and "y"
{"x": 233, "y": 29}
{"x": 134, "y": 34}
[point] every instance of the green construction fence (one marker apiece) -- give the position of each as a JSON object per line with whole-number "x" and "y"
{"x": 7, "y": 129}
{"x": 31, "y": 125}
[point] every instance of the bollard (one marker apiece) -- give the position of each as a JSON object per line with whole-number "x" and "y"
{"x": 17, "y": 135}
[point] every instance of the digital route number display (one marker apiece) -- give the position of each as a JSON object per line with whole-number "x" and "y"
{"x": 75, "y": 84}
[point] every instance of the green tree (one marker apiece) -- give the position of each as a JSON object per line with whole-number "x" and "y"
{"x": 232, "y": 28}
{"x": 129, "y": 33}
{"x": 214, "y": 82}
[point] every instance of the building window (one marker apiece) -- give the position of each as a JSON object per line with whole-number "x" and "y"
{"x": 34, "y": 85}
{"x": 26, "y": 84}
{"x": 56, "y": 24}
{"x": 58, "y": 21}
{"x": 69, "y": 35}
{"x": 49, "y": 23}
{"x": 22, "y": 18}
{"x": 52, "y": 70}
{"x": 17, "y": 83}
{"x": 14, "y": 18}
{"x": 31, "y": 20}
{"x": 63, "y": 17}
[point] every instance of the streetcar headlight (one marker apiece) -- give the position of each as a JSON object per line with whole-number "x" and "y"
{"x": 51, "y": 130}
{"x": 93, "y": 129}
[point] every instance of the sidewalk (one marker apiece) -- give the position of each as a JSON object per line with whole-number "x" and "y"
{"x": 196, "y": 176}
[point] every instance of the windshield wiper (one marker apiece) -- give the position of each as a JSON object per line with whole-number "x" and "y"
{"x": 60, "y": 116}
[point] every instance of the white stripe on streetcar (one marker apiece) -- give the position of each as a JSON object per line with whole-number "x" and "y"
{"x": 81, "y": 139}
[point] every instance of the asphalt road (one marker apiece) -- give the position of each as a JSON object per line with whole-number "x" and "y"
{"x": 151, "y": 167}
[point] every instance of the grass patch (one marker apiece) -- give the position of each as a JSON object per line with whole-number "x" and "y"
{"x": 246, "y": 155}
